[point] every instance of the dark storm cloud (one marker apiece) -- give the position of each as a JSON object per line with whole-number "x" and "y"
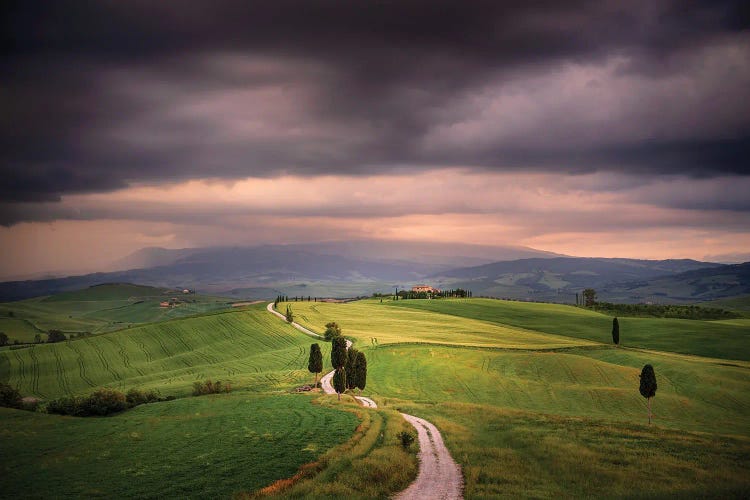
{"x": 100, "y": 95}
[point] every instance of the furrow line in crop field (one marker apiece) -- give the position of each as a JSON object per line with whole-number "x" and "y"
{"x": 34, "y": 371}
{"x": 102, "y": 358}
{"x": 62, "y": 379}
{"x": 143, "y": 348}
{"x": 163, "y": 347}
{"x": 81, "y": 364}
{"x": 210, "y": 358}
{"x": 21, "y": 367}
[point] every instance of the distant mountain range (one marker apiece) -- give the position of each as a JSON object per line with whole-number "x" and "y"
{"x": 559, "y": 279}
{"x": 363, "y": 267}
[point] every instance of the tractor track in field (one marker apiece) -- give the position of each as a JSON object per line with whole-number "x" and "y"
{"x": 439, "y": 475}
{"x": 62, "y": 378}
{"x": 81, "y": 365}
{"x": 21, "y": 368}
{"x": 103, "y": 359}
{"x": 34, "y": 371}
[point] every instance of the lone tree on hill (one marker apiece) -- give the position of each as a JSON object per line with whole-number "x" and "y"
{"x": 351, "y": 375}
{"x": 333, "y": 330}
{"x": 589, "y": 297}
{"x": 616, "y": 332}
{"x": 289, "y": 315}
{"x": 315, "y": 364}
{"x": 360, "y": 370}
{"x": 648, "y": 386}
{"x": 4, "y": 338}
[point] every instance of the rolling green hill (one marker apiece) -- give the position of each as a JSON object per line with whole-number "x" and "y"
{"x": 532, "y": 400}
{"x": 212, "y": 447}
{"x": 249, "y": 348}
{"x": 98, "y": 309}
{"x": 719, "y": 339}
{"x": 368, "y": 319}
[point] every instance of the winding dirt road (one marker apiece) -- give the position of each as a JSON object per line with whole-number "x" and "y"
{"x": 439, "y": 475}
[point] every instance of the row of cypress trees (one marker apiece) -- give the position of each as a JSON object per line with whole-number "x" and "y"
{"x": 350, "y": 366}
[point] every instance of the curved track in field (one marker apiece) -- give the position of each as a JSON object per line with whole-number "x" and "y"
{"x": 439, "y": 475}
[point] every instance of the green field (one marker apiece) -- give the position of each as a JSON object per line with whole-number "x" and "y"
{"x": 207, "y": 447}
{"x": 249, "y": 348}
{"x": 532, "y": 400}
{"x": 727, "y": 339}
{"x": 695, "y": 394}
{"x": 514, "y": 454}
{"x": 368, "y": 319}
{"x": 98, "y": 309}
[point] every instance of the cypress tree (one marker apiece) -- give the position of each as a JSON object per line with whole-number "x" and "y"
{"x": 616, "y": 331}
{"x": 339, "y": 381}
{"x": 315, "y": 363}
{"x": 648, "y": 386}
{"x": 351, "y": 375}
{"x": 360, "y": 369}
{"x": 338, "y": 352}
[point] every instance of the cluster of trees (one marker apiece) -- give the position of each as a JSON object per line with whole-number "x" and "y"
{"x": 55, "y": 336}
{"x": 350, "y": 365}
{"x": 665, "y": 311}
{"x": 456, "y": 293}
{"x": 285, "y": 298}
{"x": 102, "y": 402}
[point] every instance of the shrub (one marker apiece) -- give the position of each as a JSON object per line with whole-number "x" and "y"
{"x": 104, "y": 402}
{"x": 209, "y": 387}
{"x": 9, "y": 396}
{"x": 55, "y": 336}
{"x": 406, "y": 438}
{"x": 135, "y": 397}
{"x": 65, "y": 406}
{"x": 101, "y": 402}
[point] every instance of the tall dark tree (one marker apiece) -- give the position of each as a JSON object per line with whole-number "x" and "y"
{"x": 4, "y": 338}
{"x": 648, "y": 386}
{"x": 339, "y": 381}
{"x": 338, "y": 360}
{"x": 360, "y": 369}
{"x": 351, "y": 375}
{"x": 289, "y": 314}
{"x": 315, "y": 363}
{"x": 589, "y": 297}
{"x": 616, "y": 331}
{"x": 338, "y": 352}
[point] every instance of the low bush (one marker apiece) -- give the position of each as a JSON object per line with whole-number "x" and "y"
{"x": 9, "y": 396}
{"x": 100, "y": 403}
{"x": 406, "y": 438}
{"x": 135, "y": 397}
{"x": 209, "y": 387}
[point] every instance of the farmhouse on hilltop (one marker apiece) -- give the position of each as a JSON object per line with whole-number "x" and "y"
{"x": 424, "y": 288}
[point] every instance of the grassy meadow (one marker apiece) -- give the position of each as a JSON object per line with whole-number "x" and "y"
{"x": 248, "y": 348}
{"x": 98, "y": 309}
{"x": 532, "y": 400}
{"x": 367, "y": 319}
{"x": 726, "y": 339}
{"x": 207, "y": 447}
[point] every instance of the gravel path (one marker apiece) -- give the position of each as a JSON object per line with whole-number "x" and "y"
{"x": 439, "y": 475}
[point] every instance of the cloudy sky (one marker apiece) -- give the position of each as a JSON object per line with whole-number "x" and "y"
{"x": 591, "y": 128}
